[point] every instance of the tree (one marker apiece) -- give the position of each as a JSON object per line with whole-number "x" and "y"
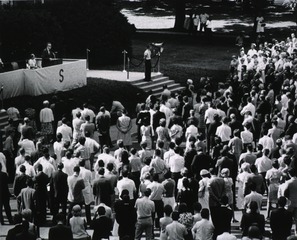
{"x": 180, "y": 12}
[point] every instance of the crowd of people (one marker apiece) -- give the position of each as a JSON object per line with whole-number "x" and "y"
{"x": 201, "y": 155}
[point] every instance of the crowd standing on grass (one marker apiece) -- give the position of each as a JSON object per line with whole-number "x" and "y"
{"x": 200, "y": 156}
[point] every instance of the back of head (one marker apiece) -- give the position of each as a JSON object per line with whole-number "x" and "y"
{"x": 282, "y": 201}
{"x": 175, "y": 215}
{"x": 167, "y": 210}
{"x": 17, "y": 218}
{"x": 101, "y": 171}
{"x": 76, "y": 169}
{"x": 205, "y": 213}
{"x": 101, "y": 211}
{"x": 253, "y": 206}
{"x": 60, "y": 217}
{"x": 254, "y": 232}
{"x": 197, "y": 207}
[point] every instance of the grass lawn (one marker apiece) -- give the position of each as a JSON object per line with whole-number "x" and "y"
{"x": 187, "y": 56}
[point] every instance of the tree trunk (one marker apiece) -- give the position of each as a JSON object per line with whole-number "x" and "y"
{"x": 180, "y": 11}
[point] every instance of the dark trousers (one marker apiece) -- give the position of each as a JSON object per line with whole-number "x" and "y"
{"x": 175, "y": 177}
{"x": 148, "y": 67}
{"x": 159, "y": 210}
{"x": 216, "y": 218}
{"x": 56, "y": 204}
{"x": 5, "y": 202}
{"x": 135, "y": 176}
{"x": 104, "y": 139}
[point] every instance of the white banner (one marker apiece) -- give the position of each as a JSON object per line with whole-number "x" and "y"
{"x": 62, "y": 77}
{"x": 13, "y": 83}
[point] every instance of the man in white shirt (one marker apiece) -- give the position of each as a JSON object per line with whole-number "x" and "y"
{"x": 106, "y": 157}
{"x": 265, "y": 141}
{"x": 69, "y": 163}
{"x": 224, "y": 131}
{"x": 29, "y": 168}
{"x": 28, "y": 145}
{"x": 264, "y": 163}
{"x": 248, "y": 108}
{"x": 46, "y": 162}
{"x": 126, "y": 183}
{"x": 169, "y": 153}
{"x": 87, "y": 112}
{"x": 93, "y": 147}
{"x": 65, "y": 130}
{"x": 76, "y": 124}
{"x": 203, "y": 229}
{"x": 176, "y": 164}
{"x": 209, "y": 114}
{"x": 148, "y": 65}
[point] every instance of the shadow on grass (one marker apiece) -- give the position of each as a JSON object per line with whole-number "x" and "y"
{"x": 96, "y": 92}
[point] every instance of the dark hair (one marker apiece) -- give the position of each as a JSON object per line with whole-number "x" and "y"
{"x": 101, "y": 171}
{"x": 76, "y": 169}
{"x": 60, "y": 217}
{"x": 205, "y": 213}
{"x": 109, "y": 166}
{"x": 175, "y": 215}
{"x": 167, "y": 210}
{"x": 101, "y": 211}
{"x": 197, "y": 207}
{"x": 282, "y": 201}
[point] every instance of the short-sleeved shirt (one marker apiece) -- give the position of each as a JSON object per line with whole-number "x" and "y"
{"x": 145, "y": 207}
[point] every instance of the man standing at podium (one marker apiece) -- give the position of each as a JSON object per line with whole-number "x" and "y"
{"x": 47, "y": 55}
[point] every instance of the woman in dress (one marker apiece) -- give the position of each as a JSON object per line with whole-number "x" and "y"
{"x": 78, "y": 224}
{"x": 260, "y": 25}
{"x": 124, "y": 125}
{"x": 241, "y": 180}
{"x": 273, "y": 177}
{"x": 163, "y": 133}
{"x": 146, "y": 133}
{"x": 203, "y": 194}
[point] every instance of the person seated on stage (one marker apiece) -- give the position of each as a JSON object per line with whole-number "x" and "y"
{"x": 47, "y": 55}
{"x": 32, "y": 64}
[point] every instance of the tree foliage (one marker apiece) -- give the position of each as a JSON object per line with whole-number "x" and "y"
{"x": 72, "y": 27}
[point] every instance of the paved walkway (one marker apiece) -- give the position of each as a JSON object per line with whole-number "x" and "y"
{"x": 117, "y": 75}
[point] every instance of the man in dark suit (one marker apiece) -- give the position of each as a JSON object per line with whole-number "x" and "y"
{"x": 226, "y": 214}
{"x": 25, "y": 234}
{"x": 60, "y": 231}
{"x": 216, "y": 192}
{"x": 18, "y": 228}
{"x": 40, "y": 184}
{"x": 200, "y": 161}
{"x": 281, "y": 221}
{"x": 59, "y": 190}
{"x": 4, "y": 197}
{"x": 20, "y": 181}
{"x": 102, "y": 189}
{"x": 291, "y": 194}
{"x": 47, "y": 55}
{"x": 102, "y": 225}
{"x": 186, "y": 109}
{"x": 124, "y": 208}
{"x": 158, "y": 115}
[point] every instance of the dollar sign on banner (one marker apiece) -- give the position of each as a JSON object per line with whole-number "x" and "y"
{"x": 61, "y": 79}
